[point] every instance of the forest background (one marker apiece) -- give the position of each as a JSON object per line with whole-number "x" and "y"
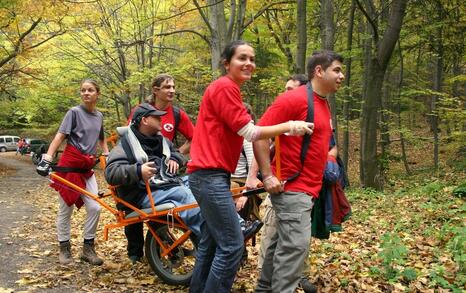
{"x": 400, "y": 117}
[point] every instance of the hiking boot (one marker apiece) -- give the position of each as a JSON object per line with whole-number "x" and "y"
{"x": 65, "y": 253}
{"x": 307, "y": 286}
{"x": 134, "y": 259}
{"x": 90, "y": 256}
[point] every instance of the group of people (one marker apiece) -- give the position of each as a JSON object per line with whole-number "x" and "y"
{"x": 21, "y": 146}
{"x": 146, "y": 154}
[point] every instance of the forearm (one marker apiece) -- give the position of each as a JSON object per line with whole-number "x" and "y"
{"x": 104, "y": 146}
{"x": 55, "y": 144}
{"x": 273, "y": 130}
{"x": 252, "y": 174}
{"x": 118, "y": 174}
{"x": 262, "y": 157}
{"x": 184, "y": 149}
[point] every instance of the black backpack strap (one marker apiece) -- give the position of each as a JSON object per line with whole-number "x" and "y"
{"x": 306, "y": 137}
{"x": 177, "y": 116}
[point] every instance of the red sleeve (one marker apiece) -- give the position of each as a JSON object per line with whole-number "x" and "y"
{"x": 229, "y": 108}
{"x": 186, "y": 127}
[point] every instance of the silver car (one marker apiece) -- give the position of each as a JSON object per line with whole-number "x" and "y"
{"x": 8, "y": 143}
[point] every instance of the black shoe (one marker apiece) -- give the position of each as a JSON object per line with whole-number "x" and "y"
{"x": 307, "y": 286}
{"x": 251, "y": 229}
{"x": 134, "y": 259}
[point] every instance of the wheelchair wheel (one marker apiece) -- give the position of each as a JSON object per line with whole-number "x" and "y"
{"x": 177, "y": 267}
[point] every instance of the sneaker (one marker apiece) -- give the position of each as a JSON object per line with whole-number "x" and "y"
{"x": 307, "y": 286}
{"x": 251, "y": 229}
{"x": 65, "y": 253}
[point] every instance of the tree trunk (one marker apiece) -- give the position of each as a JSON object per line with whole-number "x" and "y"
{"x": 385, "y": 118}
{"x": 302, "y": 37}
{"x": 438, "y": 70}
{"x": 370, "y": 176}
{"x": 347, "y": 103}
{"x": 219, "y": 31}
{"x": 369, "y": 161}
{"x": 327, "y": 27}
{"x": 400, "y": 127}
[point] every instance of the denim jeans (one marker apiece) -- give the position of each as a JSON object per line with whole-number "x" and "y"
{"x": 221, "y": 245}
{"x": 178, "y": 195}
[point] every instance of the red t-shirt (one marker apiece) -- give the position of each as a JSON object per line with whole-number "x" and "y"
{"x": 216, "y": 144}
{"x": 292, "y": 105}
{"x": 185, "y": 126}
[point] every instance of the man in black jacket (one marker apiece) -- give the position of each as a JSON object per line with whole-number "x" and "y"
{"x": 145, "y": 155}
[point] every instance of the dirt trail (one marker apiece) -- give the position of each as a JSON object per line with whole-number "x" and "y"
{"x": 18, "y": 180}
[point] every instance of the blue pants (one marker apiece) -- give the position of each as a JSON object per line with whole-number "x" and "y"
{"x": 178, "y": 195}
{"x": 221, "y": 245}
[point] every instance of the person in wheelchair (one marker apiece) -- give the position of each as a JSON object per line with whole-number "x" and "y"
{"x": 143, "y": 154}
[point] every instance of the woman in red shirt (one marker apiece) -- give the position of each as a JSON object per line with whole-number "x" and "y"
{"x": 222, "y": 124}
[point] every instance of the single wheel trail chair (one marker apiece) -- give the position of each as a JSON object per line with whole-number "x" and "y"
{"x": 170, "y": 247}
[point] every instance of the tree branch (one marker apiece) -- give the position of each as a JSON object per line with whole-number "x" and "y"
{"x": 261, "y": 11}
{"x": 370, "y": 20}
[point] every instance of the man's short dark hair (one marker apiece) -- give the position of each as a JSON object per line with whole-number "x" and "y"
{"x": 302, "y": 78}
{"x": 323, "y": 58}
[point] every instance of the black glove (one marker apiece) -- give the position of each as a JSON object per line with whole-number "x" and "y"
{"x": 43, "y": 168}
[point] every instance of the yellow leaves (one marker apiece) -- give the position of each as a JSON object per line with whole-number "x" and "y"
{"x": 26, "y": 281}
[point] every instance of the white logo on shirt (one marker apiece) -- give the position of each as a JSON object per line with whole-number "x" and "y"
{"x": 168, "y": 127}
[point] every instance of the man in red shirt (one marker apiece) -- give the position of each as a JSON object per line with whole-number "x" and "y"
{"x": 293, "y": 200}
{"x": 176, "y": 120}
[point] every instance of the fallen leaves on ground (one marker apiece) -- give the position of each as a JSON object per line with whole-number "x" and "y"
{"x": 348, "y": 262}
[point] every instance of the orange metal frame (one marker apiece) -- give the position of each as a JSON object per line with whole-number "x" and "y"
{"x": 155, "y": 216}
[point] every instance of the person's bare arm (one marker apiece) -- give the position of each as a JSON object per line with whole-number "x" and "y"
{"x": 184, "y": 149}
{"x": 262, "y": 154}
{"x": 54, "y": 145}
{"x": 104, "y": 146}
{"x": 252, "y": 132}
{"x": 252, "y": 181}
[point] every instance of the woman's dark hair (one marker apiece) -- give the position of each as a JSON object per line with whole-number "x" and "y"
{"x": 229, "y": 51}
{"x": 323, "y": 58}
{"x": 93, "y": 82}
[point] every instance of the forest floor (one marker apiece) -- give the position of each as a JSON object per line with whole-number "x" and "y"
{"x": 409, "y": 238}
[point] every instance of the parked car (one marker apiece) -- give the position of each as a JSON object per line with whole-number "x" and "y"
{"x": 8, "y": 143}
{"x": 36, "y": 147}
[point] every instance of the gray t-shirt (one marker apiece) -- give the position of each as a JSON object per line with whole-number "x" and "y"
{"x": 83, "y": 129}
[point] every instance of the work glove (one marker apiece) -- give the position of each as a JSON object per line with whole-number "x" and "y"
{"x": 44, "y": 166}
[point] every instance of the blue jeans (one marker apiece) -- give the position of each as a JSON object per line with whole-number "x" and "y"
{"x": 178, "y": 195}
{"x": 221, "y": 245}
